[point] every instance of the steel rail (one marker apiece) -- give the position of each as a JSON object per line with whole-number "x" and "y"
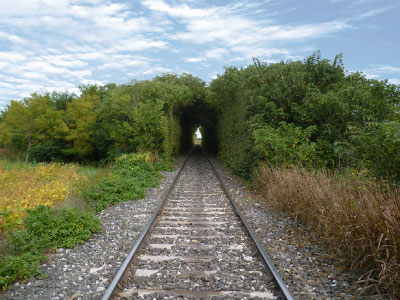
{"x": 264, "y": 255}
{"x": 125, "y": 265}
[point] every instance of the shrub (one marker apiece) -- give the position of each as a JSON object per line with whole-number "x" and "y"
{"x": 308, "y": 113}
{"x": 377, "y": 147}
{"x": 286, "y": 144}
{"x": 44, "y": 228}
{"x": 131, "y": 176}
{"x": 20, "y": 267}
{"x": 50, "y": 151}
{"x": 53, "y": 228}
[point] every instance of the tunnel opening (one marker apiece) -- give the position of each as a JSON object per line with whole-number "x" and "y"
{"x": 197, "y": 137}
{"x": 199, "y": 116}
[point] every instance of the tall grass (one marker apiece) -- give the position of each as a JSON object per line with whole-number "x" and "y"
{"x": 358, "y": 219}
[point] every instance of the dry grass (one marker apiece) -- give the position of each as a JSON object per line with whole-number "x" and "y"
{"x": 359, "y": 220}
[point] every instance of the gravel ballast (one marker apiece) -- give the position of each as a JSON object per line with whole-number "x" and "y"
{"x": 85, "y": 271}
{"x": 198, "y": 247}
{"x": 303, "y": 263}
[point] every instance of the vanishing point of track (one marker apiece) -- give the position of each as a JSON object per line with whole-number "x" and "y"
{"x": 197, "y": 245}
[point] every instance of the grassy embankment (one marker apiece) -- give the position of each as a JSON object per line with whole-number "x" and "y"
{"x": 357, "y": 218}
{"x": 47, "y": 206}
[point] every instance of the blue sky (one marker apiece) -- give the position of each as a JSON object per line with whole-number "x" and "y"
{"x": 48, "y": 45}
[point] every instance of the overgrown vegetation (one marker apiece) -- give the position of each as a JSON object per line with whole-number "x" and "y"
{"x": 274, "y": 124}
{"x": 308, "y": 113}
{"x": 103, "y": 123}
{"x": 36, "y": 213}
{"x": 357, "y": 218}
{"x": 297, "y": 129}
{"x": 136, "y": 127}
{"x": 25, "y": 186}
{"x": 132, "y": 174}
{"x": 44, "y": 229}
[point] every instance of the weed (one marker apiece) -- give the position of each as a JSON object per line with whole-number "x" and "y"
{"x": 44, "y": 229}
{"x": 25, "y": 186}
{"x": 132, "y": 174}
{"x": 20, "y": 267}
{"x": 35, "y": 216}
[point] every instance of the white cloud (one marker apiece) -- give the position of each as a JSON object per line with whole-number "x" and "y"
{"x": 21, "y": 8}
{"x": 216, "y": 53}
{"x": 394, "y": 81}
{"x": 183, "y": 11}
{"x": 52, "y": 44}
{"x": 149, "y": 70}
{"x": 73, "y": 42}
{"x": 12, "y": 57}
{"x": 385, "y": 69}
{"x": 136, "y": 44}
{"x": 11, "y": 37}
{"x": 373, "y": 12}
{"x": 229, "y": 28}
{"x": 382, "y": 72}
{"x": 92, "y": 82}
{"x": 194, "y": 59}
{"x": 156, "y": 70}
{"x": 213, "y": 75}
{"x": 34, "y": 75}
{"x": 6, "y": 85}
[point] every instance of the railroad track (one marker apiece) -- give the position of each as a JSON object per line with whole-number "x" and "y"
{"x": 197, "y": 245}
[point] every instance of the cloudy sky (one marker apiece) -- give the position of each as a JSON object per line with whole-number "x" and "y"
{"x": 48, "y": 45}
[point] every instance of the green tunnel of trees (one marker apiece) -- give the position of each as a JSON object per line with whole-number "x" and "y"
{"x": 159, "y": 116}
{"x": 310, "y": 113}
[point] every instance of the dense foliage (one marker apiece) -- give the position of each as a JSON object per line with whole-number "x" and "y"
{"x": 309, "y": 113}
{"x": 103, "y": 122}
{"x": 265, "y": 120}
{"x": 324, "y": 146}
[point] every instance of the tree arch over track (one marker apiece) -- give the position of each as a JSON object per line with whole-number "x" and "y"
{"x": 158, "y": 116}
{"x": 199, "y": 114}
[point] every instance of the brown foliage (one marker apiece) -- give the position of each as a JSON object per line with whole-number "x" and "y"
{"x": 358, "y": 219}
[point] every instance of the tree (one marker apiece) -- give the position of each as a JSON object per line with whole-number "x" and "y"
{"x": 30, "y": 122}
{"x": 80, "y": 117}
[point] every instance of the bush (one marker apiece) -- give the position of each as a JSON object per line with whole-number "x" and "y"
{"x": 308, "y": 113}
{"x": 50, "y": 151}
{"x": 285, "y": 145}
{"x": 25, "y": 186}
{"x": 50, "y": 228}
{"x": 45, "y": 229}
{"x": 376, "y": 146}
{"x": 131, "y": 176}
{"x": 20, "y": 267}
